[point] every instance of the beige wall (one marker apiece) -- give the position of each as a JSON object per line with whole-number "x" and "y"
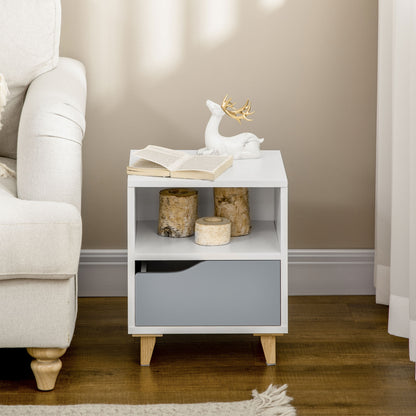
{"x": 308, "y": 66}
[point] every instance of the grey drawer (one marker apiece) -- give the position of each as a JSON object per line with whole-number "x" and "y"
{"x": 209, "y": 293}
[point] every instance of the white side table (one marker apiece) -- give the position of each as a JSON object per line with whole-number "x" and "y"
{"x": 178, "y": 287}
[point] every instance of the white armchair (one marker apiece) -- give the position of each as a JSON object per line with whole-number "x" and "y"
{"x": 40, "y": 221}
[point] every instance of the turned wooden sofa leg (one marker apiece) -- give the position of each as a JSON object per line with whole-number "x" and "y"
{"x": 46, "y": 366}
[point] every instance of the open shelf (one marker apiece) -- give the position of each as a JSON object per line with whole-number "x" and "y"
{"x": 261, "y": 244}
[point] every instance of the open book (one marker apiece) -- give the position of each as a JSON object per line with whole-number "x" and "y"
{"x": 161, "y": 161}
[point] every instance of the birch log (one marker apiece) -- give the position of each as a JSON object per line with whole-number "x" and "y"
{"x": 232, "y": 203}
{"x": 212, "y": 231}
{"x": 178, "y": 209}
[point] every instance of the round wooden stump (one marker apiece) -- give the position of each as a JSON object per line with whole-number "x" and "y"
{"x": 232, "y": 203}
{"x": 178, "y": 209}
{"x": 212, "y": 231}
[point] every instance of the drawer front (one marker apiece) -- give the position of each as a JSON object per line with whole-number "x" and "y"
{"x": 210, "y": 293}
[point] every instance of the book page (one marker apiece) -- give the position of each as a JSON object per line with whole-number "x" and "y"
{"x": 168, "y": 158}
{"x": 203, "y": 163}
{"x": 145, "y": 164}
{"x": 147, "y": 168}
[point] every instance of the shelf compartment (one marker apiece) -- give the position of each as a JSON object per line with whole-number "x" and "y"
{"x": 209, "y": 293}
{"x": 261, "y": 244}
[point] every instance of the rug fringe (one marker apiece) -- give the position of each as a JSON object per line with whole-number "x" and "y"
{"x": 273, "y": 402}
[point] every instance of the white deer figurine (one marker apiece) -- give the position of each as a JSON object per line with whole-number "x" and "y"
{"x": 241, "y": 146}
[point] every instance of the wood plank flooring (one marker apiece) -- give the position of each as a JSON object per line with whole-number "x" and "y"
{"x": 337, "y": 360}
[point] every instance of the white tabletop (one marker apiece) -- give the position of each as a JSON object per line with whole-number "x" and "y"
{"x": 267, "y": 171}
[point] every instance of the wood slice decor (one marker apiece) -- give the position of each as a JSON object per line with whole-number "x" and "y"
{"x": 178, "y": 210}
{"x": 232, "y": 203}
{"x": 212, "y": 231}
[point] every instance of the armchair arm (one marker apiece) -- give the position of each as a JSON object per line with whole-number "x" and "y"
{"x": 51, "y": 129}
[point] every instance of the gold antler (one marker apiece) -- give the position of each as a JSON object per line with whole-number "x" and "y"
{"x": 237, "y": 114}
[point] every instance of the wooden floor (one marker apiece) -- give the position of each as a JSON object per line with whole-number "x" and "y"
{"x": 337, "y": 360}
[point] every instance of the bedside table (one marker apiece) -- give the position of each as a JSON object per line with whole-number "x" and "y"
{"x": 178, "y": 287}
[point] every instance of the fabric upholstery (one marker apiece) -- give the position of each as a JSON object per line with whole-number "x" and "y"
{"x": 8, "y": 185}
{"x": 38, "y": 240}
{"x": 29, "y": 45}
{"x": 51, "y": 130}
{"x": 40, "y": 313}
{"x": 4, "y": 93}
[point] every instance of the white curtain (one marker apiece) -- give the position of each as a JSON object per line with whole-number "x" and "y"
{"x": 395, "y": 240}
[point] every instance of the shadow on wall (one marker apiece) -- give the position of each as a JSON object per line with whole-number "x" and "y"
{"x": 152, "y": 64}
{"x": 167, "y": 57}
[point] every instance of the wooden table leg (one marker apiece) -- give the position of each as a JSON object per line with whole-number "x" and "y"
{"x": 268, "y": 342}
{"x": 147, "y": 344}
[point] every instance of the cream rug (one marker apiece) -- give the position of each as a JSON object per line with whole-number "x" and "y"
{"x": 273, "y": 402}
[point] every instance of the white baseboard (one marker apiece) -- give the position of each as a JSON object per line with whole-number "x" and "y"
{"x": 331, "y": 272}
{"x": 102, "y": 273}
{"x": 311, "y": 272}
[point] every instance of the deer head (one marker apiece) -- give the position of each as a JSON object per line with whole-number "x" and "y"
{"x": 239, "y": 113}
{"x": 215, "y": 108}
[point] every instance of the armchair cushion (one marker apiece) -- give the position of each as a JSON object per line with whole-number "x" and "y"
{"x": 38, "y": 239}
{"x": 29, "y": 45}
